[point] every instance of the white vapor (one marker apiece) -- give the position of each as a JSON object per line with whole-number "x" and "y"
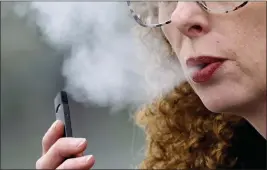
{"x": 102, "y": 66}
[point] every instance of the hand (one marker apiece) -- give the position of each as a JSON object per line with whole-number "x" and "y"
{"x": 57, "y": 150}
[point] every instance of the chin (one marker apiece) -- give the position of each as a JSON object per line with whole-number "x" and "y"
{"x": 228, "y": 92}
{"x": 224, "y": 100}
{"x": 219, "y": 105}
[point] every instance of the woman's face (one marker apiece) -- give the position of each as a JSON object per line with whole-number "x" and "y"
{"x": 234, "y": 47}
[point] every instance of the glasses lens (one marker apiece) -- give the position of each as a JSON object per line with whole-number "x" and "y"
{"x": 222, "y": 6}
{"x": 153, "y": 12}
{"x": 157, "y": 12}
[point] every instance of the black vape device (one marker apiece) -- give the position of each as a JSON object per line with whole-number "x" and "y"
{"x": 62, "y": 112}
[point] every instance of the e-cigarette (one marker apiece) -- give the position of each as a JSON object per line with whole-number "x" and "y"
{"x": 62, "y": 112}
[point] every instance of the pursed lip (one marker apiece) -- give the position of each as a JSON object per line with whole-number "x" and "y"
{"x": 203, "y": 60}
{"x": 204, "y": 67}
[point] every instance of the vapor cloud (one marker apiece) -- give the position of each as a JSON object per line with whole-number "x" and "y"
{"x": 102, "y": 66}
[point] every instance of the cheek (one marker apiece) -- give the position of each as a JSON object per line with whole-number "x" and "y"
{"x": 246, "y": 37}
{"x": 256, "y": 65}
{"x": 173, "y": 36}
{"x": 167, "y": 33}
{"x": 252, "y": 51}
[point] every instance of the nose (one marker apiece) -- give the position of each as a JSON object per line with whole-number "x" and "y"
{"x": 190, "y": 19}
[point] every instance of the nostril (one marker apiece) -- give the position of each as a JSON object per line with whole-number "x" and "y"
{"x": 196, "y": 29}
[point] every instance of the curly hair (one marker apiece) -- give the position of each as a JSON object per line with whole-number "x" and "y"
{"x": 180, "y": 132}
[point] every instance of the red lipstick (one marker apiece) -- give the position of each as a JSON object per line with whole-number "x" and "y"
{"x": 207, "y": 67}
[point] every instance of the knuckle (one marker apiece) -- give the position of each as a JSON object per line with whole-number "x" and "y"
{"x": 60, "y": 142}
{"x": 59, "y": 146}
{"x": 66, "y": 146}
{"x": 44, "y": 140}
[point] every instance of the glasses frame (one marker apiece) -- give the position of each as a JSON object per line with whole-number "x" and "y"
{"x": 200, "y": 3}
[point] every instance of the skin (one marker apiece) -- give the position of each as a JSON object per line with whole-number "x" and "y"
{"x": 239, "y": 86}
{"x": 55, "y": 151}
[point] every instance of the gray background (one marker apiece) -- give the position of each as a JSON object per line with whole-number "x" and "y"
{"x": 30, "y": 79}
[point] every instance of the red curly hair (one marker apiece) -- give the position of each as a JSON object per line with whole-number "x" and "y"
{"x": 182, "y": 133}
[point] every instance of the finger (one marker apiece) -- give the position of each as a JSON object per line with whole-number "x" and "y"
{"x": 62, "y": 149}
{"x": 80, "y": 154}
{"x": 55, "y": 132}
{"x": 85, "y": 162}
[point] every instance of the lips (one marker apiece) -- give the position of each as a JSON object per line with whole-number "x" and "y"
{"x": 205, "y": 67}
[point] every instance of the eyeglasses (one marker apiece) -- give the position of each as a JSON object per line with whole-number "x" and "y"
{"x": 146, "y": 13}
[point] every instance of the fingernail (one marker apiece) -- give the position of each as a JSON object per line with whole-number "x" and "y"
{"x": 80, "y": 141}
{"x": 88, "y": 158}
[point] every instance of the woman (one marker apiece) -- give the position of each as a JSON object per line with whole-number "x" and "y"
{"x": 217, "y": 119}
